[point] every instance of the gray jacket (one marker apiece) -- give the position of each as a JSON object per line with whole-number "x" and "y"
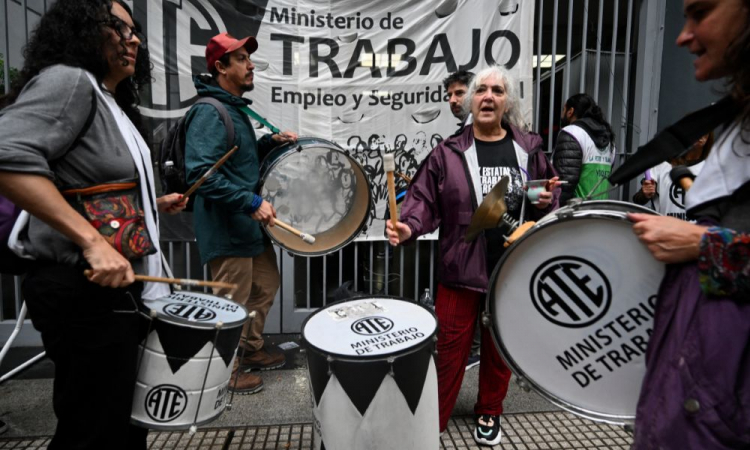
{"x": 36, "y": 134}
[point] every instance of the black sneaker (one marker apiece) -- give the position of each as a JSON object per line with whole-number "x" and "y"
{"x": 487, "y": 431}
{"x": 473, "y": 361}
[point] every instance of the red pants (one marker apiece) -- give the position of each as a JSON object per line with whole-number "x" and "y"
{"x": 457, "y": 310}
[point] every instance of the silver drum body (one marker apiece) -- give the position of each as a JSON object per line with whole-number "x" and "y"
{"x": 372, "y": 375}
{"x": 317, "y": 188}
{"x": 186, "y": 360}
{"x": 571, "y": 307}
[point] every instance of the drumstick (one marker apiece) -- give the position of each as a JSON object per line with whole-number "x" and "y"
{"x": 389, "y": 165}
{"x": 404, "y": 177}
{"x": 310, "y": 239}
{"x": 210, "y": 172}
{"x": 182, "y": 281}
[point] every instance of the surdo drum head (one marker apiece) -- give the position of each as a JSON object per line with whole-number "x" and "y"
{"x": 372, "y": 375}
{"x": 318, "y": 189}
{"x": 572, "y": 304}
{"x": 190, "y": 344}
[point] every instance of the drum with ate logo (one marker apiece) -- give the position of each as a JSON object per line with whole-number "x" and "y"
{"x": 372, "y": 375}
{"x": 571, "y": 306}
{"x": 186, "y": 360}
{"x": 317, "y": 188}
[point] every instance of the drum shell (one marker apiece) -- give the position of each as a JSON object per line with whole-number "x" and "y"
{"x": 190, "y": 375}
{"x": 177, "y": 412}
{"x": 341, "y": 421}
{"x": 288, "y": 158}
{"x": 543, "y": 349}
{"x": 199, "y": 357}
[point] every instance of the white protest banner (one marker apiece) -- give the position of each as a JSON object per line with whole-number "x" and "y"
{"x": 366, "y": 75}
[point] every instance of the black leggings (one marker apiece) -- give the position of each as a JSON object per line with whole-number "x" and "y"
{"x": 95, "y": 351}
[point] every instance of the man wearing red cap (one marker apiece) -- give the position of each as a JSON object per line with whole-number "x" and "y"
{"x": 227, "y": 212}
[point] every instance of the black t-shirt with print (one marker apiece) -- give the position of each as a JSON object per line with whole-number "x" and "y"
{"x": 497, "y": 159}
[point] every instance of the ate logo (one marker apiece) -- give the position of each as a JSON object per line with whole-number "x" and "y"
{"x": 677, "y": 195}
{"x": 372, "y": 326}
{"x": 570, "y": 291}
{"x": 187, "y": 311}
{"x": 165, "y": 403}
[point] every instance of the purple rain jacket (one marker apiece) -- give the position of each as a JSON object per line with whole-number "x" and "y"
{"x": 441, "y": 195}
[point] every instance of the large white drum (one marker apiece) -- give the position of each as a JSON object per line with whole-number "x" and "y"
{"x": 571, "y": 307}
{"x": 372, "y": 375}
{"x": 186, "y": 360}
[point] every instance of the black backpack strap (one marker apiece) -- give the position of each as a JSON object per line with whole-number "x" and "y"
{"x": 676, "y": 139}
{"x": 224, "y": 114}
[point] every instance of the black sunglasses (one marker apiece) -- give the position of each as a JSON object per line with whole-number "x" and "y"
{"x": 124, "y": 30}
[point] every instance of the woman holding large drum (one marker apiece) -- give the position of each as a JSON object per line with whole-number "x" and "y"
{"x": 696, "y": 392}
{"x": 72, "y": 157}
{"x": 444, "y": 194}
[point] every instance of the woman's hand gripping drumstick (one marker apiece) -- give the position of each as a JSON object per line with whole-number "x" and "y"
{"x": 310, "y": 239}
{"x": 209, "y": 172}
{"x": 182, "y": 281}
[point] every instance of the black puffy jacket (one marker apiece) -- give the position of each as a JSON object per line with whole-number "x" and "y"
{"x": 568, "y": 154}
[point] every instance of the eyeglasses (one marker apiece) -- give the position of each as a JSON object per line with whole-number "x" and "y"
{"x": 124, "y": 30}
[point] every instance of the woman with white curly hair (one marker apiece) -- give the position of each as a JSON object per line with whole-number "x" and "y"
{"x": 446, "y": 190}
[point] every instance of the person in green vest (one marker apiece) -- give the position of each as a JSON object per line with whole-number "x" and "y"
{"x": 585, "y": 150}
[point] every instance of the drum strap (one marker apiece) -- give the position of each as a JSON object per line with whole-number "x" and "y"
{"x": 676, "y": 139}
{"x": 260, "y": 119}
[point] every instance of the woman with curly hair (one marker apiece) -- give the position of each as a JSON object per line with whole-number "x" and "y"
{"x": 696, "y": 392}
{"x": 70, "y": 122}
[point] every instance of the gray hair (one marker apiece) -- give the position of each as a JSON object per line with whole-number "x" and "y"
{"x": 513, "y": 114}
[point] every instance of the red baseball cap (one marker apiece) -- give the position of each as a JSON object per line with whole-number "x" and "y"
{"x": 224, "y": 43}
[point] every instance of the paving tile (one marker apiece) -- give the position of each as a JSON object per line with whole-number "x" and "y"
{"x": 530, "y": 431}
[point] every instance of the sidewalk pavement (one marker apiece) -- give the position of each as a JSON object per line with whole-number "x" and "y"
{"x": 278, "y": 416}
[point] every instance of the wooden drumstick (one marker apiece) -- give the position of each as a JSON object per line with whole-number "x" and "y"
{"x": 210, "y": 172}
{"x": 517, "y": 233}
{"x": 182, "y": 281}
{"x": 389, "y": 165}
{"x": 682, "y": 176}
{"x": 310, "y": 239}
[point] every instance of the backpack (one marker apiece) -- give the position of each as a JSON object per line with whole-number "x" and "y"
{"x": 172, "y": 154}
{"x": 10, "y": 263}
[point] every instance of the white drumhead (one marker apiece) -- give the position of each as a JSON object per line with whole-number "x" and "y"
{"x": 197, "y": 310}
{"x": 572, "y": 308}
{"x": 369, "y": 327}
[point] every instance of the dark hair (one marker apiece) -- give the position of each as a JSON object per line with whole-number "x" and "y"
{"x": 737, "y": 59}
{"x": 224, "y": 60}
{"x": 583, "y": 106}
{"x": 462, "y": 76}
{"x": 70, "y": 33}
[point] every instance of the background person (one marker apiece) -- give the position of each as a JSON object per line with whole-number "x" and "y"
{"x": 696, "y": 391}
{"x": 660, "y": 194}
{"x": 585, "y": 149}
{"x": 70, "y": 122}
{"x": 456, "y": 86}
{"x": 442, "y": 196}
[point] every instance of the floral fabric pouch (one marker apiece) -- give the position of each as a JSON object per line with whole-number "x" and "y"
{"x": 114, "y": 209}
